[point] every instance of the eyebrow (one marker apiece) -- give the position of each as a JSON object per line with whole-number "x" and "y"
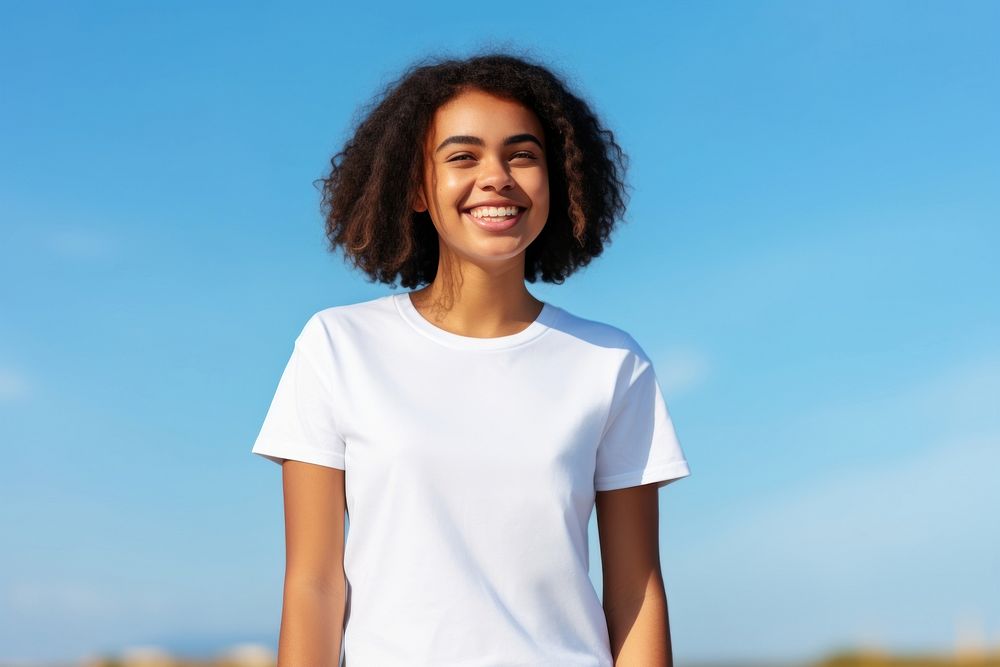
{"x": 469, "y": 139}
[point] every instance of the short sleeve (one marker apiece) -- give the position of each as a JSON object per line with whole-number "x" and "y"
{"x": 299, "y": 423}
{"x": 639, "y": 444}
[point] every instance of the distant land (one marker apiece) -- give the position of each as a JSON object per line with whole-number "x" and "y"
{"x": 256, "y": 655}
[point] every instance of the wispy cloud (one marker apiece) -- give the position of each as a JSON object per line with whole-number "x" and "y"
{"x": 681, "y": 369}
{"x": 900, "y": 551}
{"x": 79, "y": 243}
{"x": 895, "y": 555}
{"x": 13, "y": 386}
{"x": 68, "y": 600}
{"x": 60, "y": 599}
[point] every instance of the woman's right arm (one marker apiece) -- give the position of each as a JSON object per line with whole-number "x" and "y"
{"x": 312, "y": 615}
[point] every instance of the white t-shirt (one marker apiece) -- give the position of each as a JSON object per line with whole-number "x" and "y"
{"x": 471, "y": 466}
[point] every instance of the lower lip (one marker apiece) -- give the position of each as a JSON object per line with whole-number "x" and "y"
{"x": 499, "y": 226}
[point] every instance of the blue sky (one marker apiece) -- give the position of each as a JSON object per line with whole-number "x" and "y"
{"x": 808, "y": 257}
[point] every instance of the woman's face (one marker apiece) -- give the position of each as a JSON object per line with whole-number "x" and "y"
{"x": 483, "y": 149}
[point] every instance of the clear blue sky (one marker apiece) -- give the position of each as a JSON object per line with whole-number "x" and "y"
{"x": 809, "y": 259}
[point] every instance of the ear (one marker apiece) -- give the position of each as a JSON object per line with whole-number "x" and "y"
{"x": 420, "y": 205}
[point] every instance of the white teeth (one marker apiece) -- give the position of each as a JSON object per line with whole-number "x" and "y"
{"x": 493, "y": 211}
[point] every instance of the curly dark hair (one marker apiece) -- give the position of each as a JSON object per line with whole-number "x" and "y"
{"x": 366, "y": 214}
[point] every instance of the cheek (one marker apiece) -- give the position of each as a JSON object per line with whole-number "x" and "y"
{"x": 443, "y": 185}
{"x": 538, "y": 187}
{"x": 451, "y": 182}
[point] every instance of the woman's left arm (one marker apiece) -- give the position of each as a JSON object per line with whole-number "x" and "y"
{"x": 635, "y": 603}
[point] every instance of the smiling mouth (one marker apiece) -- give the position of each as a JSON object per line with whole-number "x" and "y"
{"x": 496, "y": 224}
{"x": 484, "y": 215}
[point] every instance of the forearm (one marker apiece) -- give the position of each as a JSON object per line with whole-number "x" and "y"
{"x": 312, "y": 620}
{"x": 639, "y": 630}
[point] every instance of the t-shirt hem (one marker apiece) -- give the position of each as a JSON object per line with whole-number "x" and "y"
{"x": 663, "y": 474}
{"x": 295, "y": 452}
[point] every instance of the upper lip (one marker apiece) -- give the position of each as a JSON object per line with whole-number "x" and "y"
{"x": 499, "y": 203}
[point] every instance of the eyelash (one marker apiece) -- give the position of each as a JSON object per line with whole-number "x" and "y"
{"x": 464, "y": 155}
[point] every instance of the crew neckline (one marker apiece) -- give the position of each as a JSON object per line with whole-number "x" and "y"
{"x": 541, "y": 324}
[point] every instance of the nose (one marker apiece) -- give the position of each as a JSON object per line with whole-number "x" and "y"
{"x": 496, "y": 174}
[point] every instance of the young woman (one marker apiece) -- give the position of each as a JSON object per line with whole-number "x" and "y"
{"x": 467, "y": 427}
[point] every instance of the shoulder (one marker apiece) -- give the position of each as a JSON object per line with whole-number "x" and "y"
{"x": 599, "y": 334}
{"x": 333, "y": 324}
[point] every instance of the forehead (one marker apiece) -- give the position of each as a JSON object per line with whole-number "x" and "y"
{"x": 482, "y": 114}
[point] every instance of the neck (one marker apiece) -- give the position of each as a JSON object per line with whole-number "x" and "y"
{"x": 477, "y": 301}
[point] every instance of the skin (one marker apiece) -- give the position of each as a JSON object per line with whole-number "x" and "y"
{"x": 479, "y": 291}
{"x": 635, "y": 603}
{"x": 313, "y": 606}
